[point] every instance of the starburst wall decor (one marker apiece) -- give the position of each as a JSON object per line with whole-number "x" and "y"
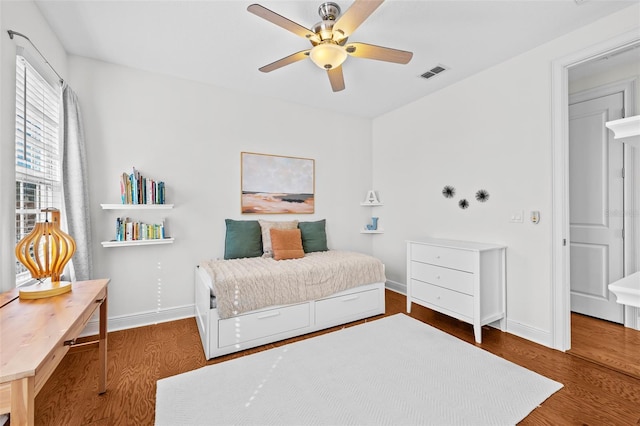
{"x": 482, "y": 196}
{"x": 448, "y": 191}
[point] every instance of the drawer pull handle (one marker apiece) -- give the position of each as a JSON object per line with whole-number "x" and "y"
{"x": 269, "y": 315}
{"x": 438, "y": 277}
{"x": 347, "y": 299}
{"x": 100, "y": 300}
{"x": 69, "y": 342}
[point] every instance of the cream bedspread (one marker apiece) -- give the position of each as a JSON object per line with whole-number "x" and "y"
{"x": 243, "y": 285}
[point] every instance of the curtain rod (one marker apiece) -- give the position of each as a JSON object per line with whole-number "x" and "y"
{"x": 15, "y": 33}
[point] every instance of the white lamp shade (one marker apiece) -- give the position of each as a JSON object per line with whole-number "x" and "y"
{"x": 328, "y": 55}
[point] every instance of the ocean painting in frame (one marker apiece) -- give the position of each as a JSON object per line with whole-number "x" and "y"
{"x": 277, "y": 184}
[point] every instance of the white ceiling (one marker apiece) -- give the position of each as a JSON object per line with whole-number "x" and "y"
{"x": 219, "y": 42}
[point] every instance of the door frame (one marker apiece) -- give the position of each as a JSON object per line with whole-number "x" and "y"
{"x": 560, "y": 279}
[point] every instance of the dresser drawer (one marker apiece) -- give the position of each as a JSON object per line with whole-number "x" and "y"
{"x": 462, "y": 260}
{"x": 443, "y": 277}
{"x": 333, "y": 309}
{"x": 244, "y": 328}
{"x": 442, "y": 297}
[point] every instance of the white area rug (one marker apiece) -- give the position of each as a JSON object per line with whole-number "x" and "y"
{"x": 393, "y": 371}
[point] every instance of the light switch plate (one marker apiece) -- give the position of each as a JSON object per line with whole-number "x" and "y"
{"x": 517, "y": 217}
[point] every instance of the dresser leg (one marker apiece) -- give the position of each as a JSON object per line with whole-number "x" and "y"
{"x": 477, "y": 331}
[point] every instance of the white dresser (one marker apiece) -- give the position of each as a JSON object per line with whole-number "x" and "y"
{"x": 462, "y": 279}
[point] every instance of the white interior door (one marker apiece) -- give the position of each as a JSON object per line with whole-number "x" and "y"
{"x": 596, "y": 204}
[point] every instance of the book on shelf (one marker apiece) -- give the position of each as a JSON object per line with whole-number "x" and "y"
{"x": 137, "y": 189}
{"x": 130, "y": 230}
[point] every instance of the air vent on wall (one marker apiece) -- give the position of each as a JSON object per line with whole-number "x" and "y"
{"x": 433, "y": 71}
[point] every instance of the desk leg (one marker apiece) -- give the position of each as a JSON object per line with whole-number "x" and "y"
{"x": 102, "y": 348}
{"x": 23, "y": 401}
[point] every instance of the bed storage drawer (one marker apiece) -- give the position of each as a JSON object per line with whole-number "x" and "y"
{"x": 333, "y": 309}
{"x": 268, "y": 322}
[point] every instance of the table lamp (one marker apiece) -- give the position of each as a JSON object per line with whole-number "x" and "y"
{"x": 44, "y": 252}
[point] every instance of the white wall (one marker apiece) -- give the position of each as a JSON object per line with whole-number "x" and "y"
{"x": 23, "y": 17}
{"x": 190, "y": 135}
{"x": 491, "y": 131}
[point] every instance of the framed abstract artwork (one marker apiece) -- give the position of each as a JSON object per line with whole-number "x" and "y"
{"x": 276, "y": 184}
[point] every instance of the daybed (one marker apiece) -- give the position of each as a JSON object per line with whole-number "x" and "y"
{"x": 235, "y": 307}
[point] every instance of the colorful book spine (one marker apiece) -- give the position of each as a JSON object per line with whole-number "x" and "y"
{"x": 128, "y": 230}
{"x": 137, "y": 189}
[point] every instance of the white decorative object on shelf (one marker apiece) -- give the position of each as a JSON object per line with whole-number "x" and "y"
{"x": 136, "y": 206}
{"x": 137, "y": 242}
{"x": 626, "y": 130}
{"x": 371, "y": 200}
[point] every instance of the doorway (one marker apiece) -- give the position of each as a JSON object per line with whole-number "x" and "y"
{"x": 561, "y": 314}
{"x": 601, "y": 224}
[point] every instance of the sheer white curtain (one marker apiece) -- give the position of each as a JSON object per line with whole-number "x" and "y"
{"x": 75, "y": 188}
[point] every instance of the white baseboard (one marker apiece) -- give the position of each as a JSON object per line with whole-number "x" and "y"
{"x": 141, "y": 319}
{"x": 536, "y": 335}
{"x": 396, "y": 286}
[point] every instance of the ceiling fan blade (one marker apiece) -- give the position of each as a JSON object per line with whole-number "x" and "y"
{"x": 283, "y": 22}
{"x": 303, "y": 54}
{"x": 336, "y": 78}
{"x": 355, "y": 15}
{"x": 371, "y": 51}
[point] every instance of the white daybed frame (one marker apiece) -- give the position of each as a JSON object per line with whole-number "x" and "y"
{"x": 267, "y": 325}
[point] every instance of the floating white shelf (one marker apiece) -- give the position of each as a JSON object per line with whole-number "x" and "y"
{"x": 376, "y": 231}
{"x": 137, "y": 242}
{"x": 371, "y": 204}
{"x": 136, "y": 206}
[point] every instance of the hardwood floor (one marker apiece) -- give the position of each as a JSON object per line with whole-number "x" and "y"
{"x": 592, "y": 394}
{"x": 606, "y": 343}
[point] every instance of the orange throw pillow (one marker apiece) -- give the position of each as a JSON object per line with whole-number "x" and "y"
{"x": 286, "y": 243}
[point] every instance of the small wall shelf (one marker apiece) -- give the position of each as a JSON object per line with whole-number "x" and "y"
{"x": 136, "y": 206}
{"x": 375, "y": 231}
{"x": 365, "y": 204}
{"x": 137, "y": 242}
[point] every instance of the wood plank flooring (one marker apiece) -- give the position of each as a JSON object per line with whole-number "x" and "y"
{"x": 606, "y": 343}
{"x": 592, "y": 394}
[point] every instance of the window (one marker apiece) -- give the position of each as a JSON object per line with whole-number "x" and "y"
{"x": 38, "y": 174}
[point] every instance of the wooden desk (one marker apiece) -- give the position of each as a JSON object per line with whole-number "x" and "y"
{"x": 34, "y": 337}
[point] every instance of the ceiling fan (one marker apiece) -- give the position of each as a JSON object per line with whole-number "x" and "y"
{"x": 328, "y": 37}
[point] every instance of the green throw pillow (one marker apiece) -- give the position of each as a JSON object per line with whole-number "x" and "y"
{"x": 243, "y": 239}
{"x": 314, "y": 236}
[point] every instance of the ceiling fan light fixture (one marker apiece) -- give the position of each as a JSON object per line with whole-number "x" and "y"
{"x": 328, "y": 55}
